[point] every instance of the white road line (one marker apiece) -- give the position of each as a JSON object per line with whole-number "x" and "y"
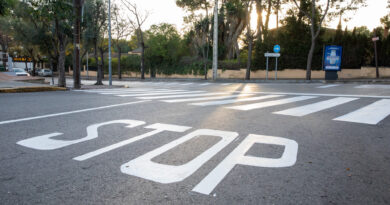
{"x": 371, "y": 114}
{"x": 319, "y": 94}
{"x": 70, "y": 112}
{"x": 187, "y": 84}
{"x": 172, "y": 83}
{"x": 205, "y": 84}
{"x": 158, "y": 93}
{"x": 141, "y": 92}
{"x": 374, "y": 86}
{"x": 205, "y": 98}
{"x": 181, "y": 96}
{"x": 270, "y": 103}
{"x": 328, "y": 86}
{"x": 226, "y": 84}
{"x": 315, "y": 107}
{"x": 224, "y": 102}
{"x": 119, "y": 90}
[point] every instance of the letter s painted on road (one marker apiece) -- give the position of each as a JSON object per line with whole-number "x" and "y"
{"x": 45, "y": 142}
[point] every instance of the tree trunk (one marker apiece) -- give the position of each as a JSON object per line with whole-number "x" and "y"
{"x": 249, "y": 63}
{"x": 61, "y": 65}
{"x": 142, "y": 60}
{"x": 102, "y": 61}
{"x": 99, "y": 76}
{"x": 119, "y": 62}
{"x": 310, "y": 59}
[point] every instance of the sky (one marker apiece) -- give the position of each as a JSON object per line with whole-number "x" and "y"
{"x": 166, "y": 11}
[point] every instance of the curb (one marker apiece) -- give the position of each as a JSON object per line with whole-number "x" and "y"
{"x": 30, "y": 89}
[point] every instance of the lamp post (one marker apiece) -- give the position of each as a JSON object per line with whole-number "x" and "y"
{"x": 109, "y": 44}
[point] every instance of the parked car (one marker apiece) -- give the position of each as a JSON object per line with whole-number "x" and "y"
{"x": 37, "y": 71}
{"x": 45, "y": 72}
{"x": 20, "y": 72}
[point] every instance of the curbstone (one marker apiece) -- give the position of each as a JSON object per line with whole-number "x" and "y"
{"x": 31, "y": 89}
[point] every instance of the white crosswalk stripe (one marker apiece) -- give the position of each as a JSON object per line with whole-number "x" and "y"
{"x": 315, "y": 107}
{"x": 181, "y": 96}
{"x": 371, "y": 114}
{"x": 328, "y": 86}
{"x": 157, "y": 93}
{"x": 224, "y": 102}
{"x": 140, "y": 92}
{"x": 271, "y": 103}
{"x": 205, "y": 84}
{"x": 205, "y": 98}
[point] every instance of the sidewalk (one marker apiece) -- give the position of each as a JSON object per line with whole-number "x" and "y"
{"x": 15, "y": 84}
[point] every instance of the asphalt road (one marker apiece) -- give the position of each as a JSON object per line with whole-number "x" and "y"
{"x": 197, "y": 143}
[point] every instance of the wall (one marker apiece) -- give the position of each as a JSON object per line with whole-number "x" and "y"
{"x": 364, "y": 72}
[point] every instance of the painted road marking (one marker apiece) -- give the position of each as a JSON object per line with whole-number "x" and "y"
{"x": 181, "y": 96}
{"x": 328, "y": 86}
{"x": 371, "y": 114}
{"x": 144, "y": 167}
{"x": 271, "y": 103}
{"x": 315, "y": 107}
{"x": 70, "y": 112}
{"x": 224, "y": 102}
{"x": 203, "y": 84}
{"x": 374, "y": 86}
{"x": 158, "y": 129}
{"x": 139, "y": 92}
{"x": 205, "y": 98}
{"x": 117, "y": 90}
{"x": 187, "y": 84}
{"x": 238, "y": 157}
{"x": 318, "y": 94}
{"x": 45, "y": 142}
{"x": 224, "y": 84}
{"x": 158, "y": 93}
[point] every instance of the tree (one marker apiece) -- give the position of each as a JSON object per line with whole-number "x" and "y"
{"x": 122, "y": 30}
{"x": 316, "y": 19}
{"x": 137, "y": 21}
{"x": 316, "y": 13}
{"x": 249, "y": 36}
{"x": 5, "y": 6}
{"x": 201, "y": 26}
{"x": 96, "y": 21}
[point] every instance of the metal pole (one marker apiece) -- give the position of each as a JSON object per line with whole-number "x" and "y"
{"x": 376, "y": 61}
{"x": 267, "y": 70}
{"x": 87, "y": 66}
{"x": 109, "y": 43}
{"x": 215, "y": 47}
{"x": 276, "y": 68}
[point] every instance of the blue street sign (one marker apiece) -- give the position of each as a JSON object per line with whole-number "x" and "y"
{"x": 332, "y": 58}
{"x": 276, "y": 49}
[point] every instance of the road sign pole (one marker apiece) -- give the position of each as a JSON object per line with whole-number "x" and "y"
{"x": 267, "y": 70}
{"x": 276, "y": 68}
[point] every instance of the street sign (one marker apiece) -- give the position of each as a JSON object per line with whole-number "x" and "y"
{"x": 332, "y": 58}
{"x": 375, "y": 39}
{"x": 274, "y": 55}
{"x": 276, "y": 49}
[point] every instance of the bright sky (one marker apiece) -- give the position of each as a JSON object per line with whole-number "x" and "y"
{"x": 166, "y": 11}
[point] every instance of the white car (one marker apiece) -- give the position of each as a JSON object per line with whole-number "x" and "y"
{"x": 20, "y": 72}
{"x": 45, "y": 72}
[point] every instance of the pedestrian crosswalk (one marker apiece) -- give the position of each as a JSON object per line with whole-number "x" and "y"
{"x": 308, "y": 103}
